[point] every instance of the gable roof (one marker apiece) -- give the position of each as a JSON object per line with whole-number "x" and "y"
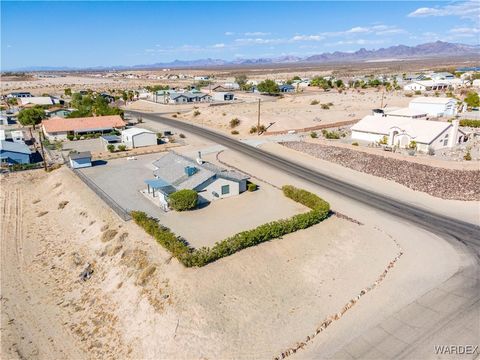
{"x": 171, "y": 169}
{"x": 58, "y": 124}
{"x": 135, "y": 131}
{"x": 432, "y": 100}
{"x": 14, "y": 147}
{"x": 37, "y": 100}
{"x": 422, "y": 131}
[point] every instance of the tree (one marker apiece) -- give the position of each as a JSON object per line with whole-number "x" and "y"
{"x": 241, "y": 80}
{"x": 268, "y": 86}
{"x": 31, "y": 116}
{"x": 339, "y": 83}
{"x": 68, "y": 92}
{"x": 182, "y": 200}
{"x": 472, "y": 99}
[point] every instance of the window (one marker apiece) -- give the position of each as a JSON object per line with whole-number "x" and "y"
{"x": 225, "y": 189}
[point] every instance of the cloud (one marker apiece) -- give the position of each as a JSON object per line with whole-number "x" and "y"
{"x": 307, "y": 38}
{"x": 229, "y": 33}
{"x": 218, "y": 46}
{"x": 257, "y": 33}
{"x": 357, "y": 42}
{"x": 258, "y": 41}
{"x": 465, "y": 30}
{"x": 466, "y": 10}
{"x": 358, "y": 29}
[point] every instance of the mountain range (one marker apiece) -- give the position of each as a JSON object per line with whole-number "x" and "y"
{"x": 398, "y": 52}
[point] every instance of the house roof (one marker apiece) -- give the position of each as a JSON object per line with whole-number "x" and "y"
{"x": 14, "y": 147}
{"x": 135, "y": 131}
{"x": 81, "y": 155}
{"x": 37, "y": 100}
{"x": 422, "y": 131}
{"x": 58, "y": 124}
{"x": 171, "y": 169}
{"x": 432, "y": 100}
{"x": 407, "y": 112}
{"x": 188, "y": 95}
{"x": 160, "y": 185}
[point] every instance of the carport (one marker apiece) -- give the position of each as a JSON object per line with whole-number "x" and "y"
{"x": 160, "y": 189}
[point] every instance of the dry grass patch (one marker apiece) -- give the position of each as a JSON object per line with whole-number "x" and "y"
{"x": 108, "y": 235}
{"x": 145, "y": 274}
{"x": 62, "y": 204}
{"x": 41, "y": 213}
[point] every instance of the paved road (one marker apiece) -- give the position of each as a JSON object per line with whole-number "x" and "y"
{"x": 449, "y": 314}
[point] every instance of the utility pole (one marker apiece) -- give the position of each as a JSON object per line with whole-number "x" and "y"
{"x": 383, "y": 94}
{"x": 43, "y": 151}
{"x": 258, "y": 119}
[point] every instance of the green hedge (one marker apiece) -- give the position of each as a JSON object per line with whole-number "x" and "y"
{"x": 470, "y": 123}
{"x": 275, "y": 229}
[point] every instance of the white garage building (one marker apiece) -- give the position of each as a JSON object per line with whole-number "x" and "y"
{"x": 401, "y": 131}
{"x": 137, "y": 137}
{"x": 435, "y": 106}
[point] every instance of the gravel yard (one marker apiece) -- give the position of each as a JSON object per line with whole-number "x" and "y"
{"x": 438, "y": 182}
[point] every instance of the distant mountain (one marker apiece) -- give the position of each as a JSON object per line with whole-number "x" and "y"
{"x": 428, "y": 50}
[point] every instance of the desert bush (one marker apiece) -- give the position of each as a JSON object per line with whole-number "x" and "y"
{"x": 412, "y": 145}
{"x": 470, "y": 123}
{"x": 234, "y": 132}
{"x": 70, "y": 137}
{"x": 111, "y": 148}
{"x": 253, "y": 130}
{"x": 174, "y": 115}
{"x": 330, "y": 134}
{"x": 418, "y": 92}
{"x": 234, "y": 122}
{"x": 325, "y": 106}
{"x": 122, "y": 147}
{"x": 262, "y": 128}
{"x": 314, "y": 102}
{"x": 78, "y": 137}
{"x": 182, "y": 200}
{"x": 182, "y": 136}
{"x": 251, "y": 187}
{"x": 467, "y": 156}
{"x": 355, "y": 143}
{"x": 313, "y": 135}
{"x": 408, "y": 94}
{"x": 196, "y": 113}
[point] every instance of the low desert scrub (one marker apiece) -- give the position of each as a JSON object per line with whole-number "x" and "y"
{"x": 196, "y": 113}
{"x": 189, "y": 256}
{"x": 467, "y": 156}
{"x": 145, "y": 274}
{"x": 182, "y": 136}
{"x": 325, "y": 106}
{"x": 174, "y": 115}
{"x": 313, "y": 135}
{"x": 42, "y": 213}
{"x": 251, "y": 186}
{"x": 62, "y": 204}
{"x": 234, "y": 132}
{"x": 330, "y": 134}
{"x": 470, "y": 123}
{"x": 355, "y": 143}
{"x": 234, "y": 123}
{"x": 314, "y": 102}
{"x": 108, "y": 235}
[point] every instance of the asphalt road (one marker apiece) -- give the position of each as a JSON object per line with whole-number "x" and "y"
{"x": 467, "y": 233}
{"x": 449, "y": 314}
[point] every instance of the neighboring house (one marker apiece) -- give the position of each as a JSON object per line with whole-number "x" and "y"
{"x": 176, "y": 172}
{"x": 286, "y": 88}
{"x": 58, "y": 128}
{"x": 188, "y": 97}
{"x": 402, "y": 131}
{"x": 223, "y": 96}
{"x": 442, "y": 76}
{"x": 199, "y": 78}
{"x": 137, "y": 137}
{"x": 14, "y": 153}
{"x": 19, "y": 95}
{"x": 230, "y": 86}
{"x": 425, "y": 85}
{"x": 2, "y": 134}
{"x": 407, "y": 113}
{"x": 435, "y": 106}
{"x": 17, "y": 136}
{"x": 58, "y": 112}
{"x": 40, "y": 100}
{"x": 108, "y": 97}
{"x": 80, "y": 160}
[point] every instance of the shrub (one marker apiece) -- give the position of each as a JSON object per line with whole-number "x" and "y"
{"x": 418, "y": 92}
{"x": 412, "y": 145}
{"x": 183, "y": 200}
{"x": 313, "y": 135}
{"x": 408, "y": 94}
{"x": 182, "y": 136}
{"x": 78, "y": 137}
{"x": 314, "y": 102}
{"x": 251, "y": 187}
{"x": 383, "y": 141}
{"x": 234, "y": 132}
{"x": 196, "y": 113}
{"x": 174, "y": 115}
{"x": 325, "y": 106}
{"x": 355, "y": 143}
{"x": 122, "y": 147}
{"x": 262, "y": 128}
{"x": 253, "y": 129}
{"x": 306, "y": 198}
{"x": 470, "y": 123}
{"x": 330, "y": 134}
{"x": 467, "y": 156}
{"x": 70, "y": 137}
{"x": 111, "y": 148}
{"x": 234, "y": 122}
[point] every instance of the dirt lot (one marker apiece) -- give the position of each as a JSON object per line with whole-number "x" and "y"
{"x": 293, "y": 111}
{"x": 252, "y": 304}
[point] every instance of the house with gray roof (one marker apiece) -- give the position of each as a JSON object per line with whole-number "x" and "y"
{"x": 14, "y": 152}
{"x": 187, "y": 97}
{"x": 175, "y": 172}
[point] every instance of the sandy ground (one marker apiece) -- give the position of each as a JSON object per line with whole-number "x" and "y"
{"x": 293, "y": 111}
{"x": 252, "y": 304}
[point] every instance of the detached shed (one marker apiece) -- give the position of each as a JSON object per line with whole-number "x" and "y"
{"x": 81, "y": 160}
{"x": 137, "y": 137}
{"x": 223, "y": 96}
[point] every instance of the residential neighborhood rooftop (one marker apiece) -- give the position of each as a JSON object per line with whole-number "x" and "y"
{"x": 58, "y": 124}
{"x": 432, "y": 100}
{"x": 18, "y": 147}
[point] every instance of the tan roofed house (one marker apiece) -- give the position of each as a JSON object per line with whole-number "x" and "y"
{"x": 58, "y": 128}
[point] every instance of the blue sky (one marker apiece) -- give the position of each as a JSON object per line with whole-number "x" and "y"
{"x": 83, "y": 34}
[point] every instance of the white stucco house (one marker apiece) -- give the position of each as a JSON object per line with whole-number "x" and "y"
{"x": 174, "y": 172}
{"x": 137, "y": 137}
{"x": 426, "y": 85}
{"x": 435, "y": 106}
{"x": 401, "y": 131}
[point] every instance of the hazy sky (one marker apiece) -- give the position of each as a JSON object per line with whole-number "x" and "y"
{"x": 82, "y": 34}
